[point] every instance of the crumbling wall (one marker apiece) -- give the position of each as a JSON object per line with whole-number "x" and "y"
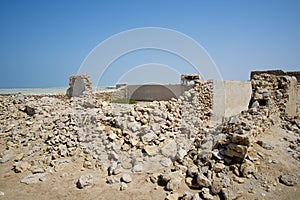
{"x": 81, "y": 91}
{"x": 272, "y": 100}
{"x": 79, "y": 85}
{"x": 120, "y": 92}
{"x": 295, "y": 74}
{"x": 272, "y": 72}
{"x": 204, "y": 91}
{"x": 277, "y": 73}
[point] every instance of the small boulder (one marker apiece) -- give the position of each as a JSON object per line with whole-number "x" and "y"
{"x": 169, "y": 149}
{"x": 202, "y": 181}
{"x": 30, "y": 110}
{"x": 217, "y": 186}
{"x": 21, "y": 166}
{"x": 289, "y": 180}
{"x": 84, "y": 181}
{"x": 126, "y": 178}
{"x": 247, "y": 169}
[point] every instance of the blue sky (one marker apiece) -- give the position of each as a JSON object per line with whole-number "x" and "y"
{"x": 44, "y": 42}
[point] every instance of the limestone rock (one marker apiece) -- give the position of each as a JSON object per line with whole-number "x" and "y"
{"x": 148, "y": 137}
{"x": 126, "y": 178}
{"x": 172, "y": 196}
{"x": 166, "y": 162}
{"x": 245, "y": 139}
{"x": 7, "y": 156}
{"x": 151, "y": 150}
{"x": 111, "y": 180}
{"x": 202, "y": 181}
{"x": 172, "y": 180}
{"x": 192, "y": 171}
{"x": 235, "y": 150}
{"x": 137, "y": 168}
{"x": 33, "y": 178}
{"x": 264, "y": 145}
{"x": 238, "y": 179}
{"x": 169, "y": 149}
{"x": 181, "y": 153}
{"x": 21, "y": 166}
{"x": 123, "y": 186}
{"x": 218, "y": 167}
{"x": 217, "y": 186}
{"x": 196, "y": 197}
{"x": 30, "y": 109}
{"x": 85, "y": 181}
{"x": 247, "y": 169}
{"x": 173, "y": 184}
{"x": 289, "y": 180}
{"x": 206, "y": 194}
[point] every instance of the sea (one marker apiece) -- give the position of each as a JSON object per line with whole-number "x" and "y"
{"x": 51, "y": 90}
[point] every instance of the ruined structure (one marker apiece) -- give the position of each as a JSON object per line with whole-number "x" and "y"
{"x": 171, "y": 142}
{"x": 186, "y": 78}
{"x": 296, "y": 74}
{"x": 79, "y": 85}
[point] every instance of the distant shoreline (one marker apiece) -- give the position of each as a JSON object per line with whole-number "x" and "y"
{"x": 44, "y": 91}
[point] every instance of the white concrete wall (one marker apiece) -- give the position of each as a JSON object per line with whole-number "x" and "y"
{"x": 237, "y": 96}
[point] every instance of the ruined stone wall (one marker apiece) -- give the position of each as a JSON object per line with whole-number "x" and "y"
{"x": 120, "y": 92}
{"x": 79, "y": 85}
{"x": 271, "y": 101}
{"x": 204, "y": 91}
{"x": 295, "y": 74}
{"x": 272, "y": 72}
{"x": 277, "y": 73}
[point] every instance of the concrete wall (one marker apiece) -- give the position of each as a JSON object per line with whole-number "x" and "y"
{"x": 237, "y": 96}
{"x": 291, "y": 104}
{"x": 154, "y": 92}
{"x": 234, "y": 98}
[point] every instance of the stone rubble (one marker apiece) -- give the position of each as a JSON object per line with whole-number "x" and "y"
{"x": 174, "y": 137}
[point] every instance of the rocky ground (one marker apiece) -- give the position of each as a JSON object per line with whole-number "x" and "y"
{"x": 54, "y": 147}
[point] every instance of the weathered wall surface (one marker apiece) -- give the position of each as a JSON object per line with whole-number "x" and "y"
{"x": 79, "y": 85}
{"x": 154, "y": 92}
{"x": 292, "y": 92}
{"x": 237, "y": 96}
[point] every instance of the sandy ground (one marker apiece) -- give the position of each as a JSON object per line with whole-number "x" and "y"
{"x": 62, "y": 184}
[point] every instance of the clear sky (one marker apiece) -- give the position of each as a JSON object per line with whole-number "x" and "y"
{"x": 44, "y": 42}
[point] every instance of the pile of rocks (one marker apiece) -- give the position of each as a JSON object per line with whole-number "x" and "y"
{"x": 35, "y": 138}
{"x": 160, "y": 131}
